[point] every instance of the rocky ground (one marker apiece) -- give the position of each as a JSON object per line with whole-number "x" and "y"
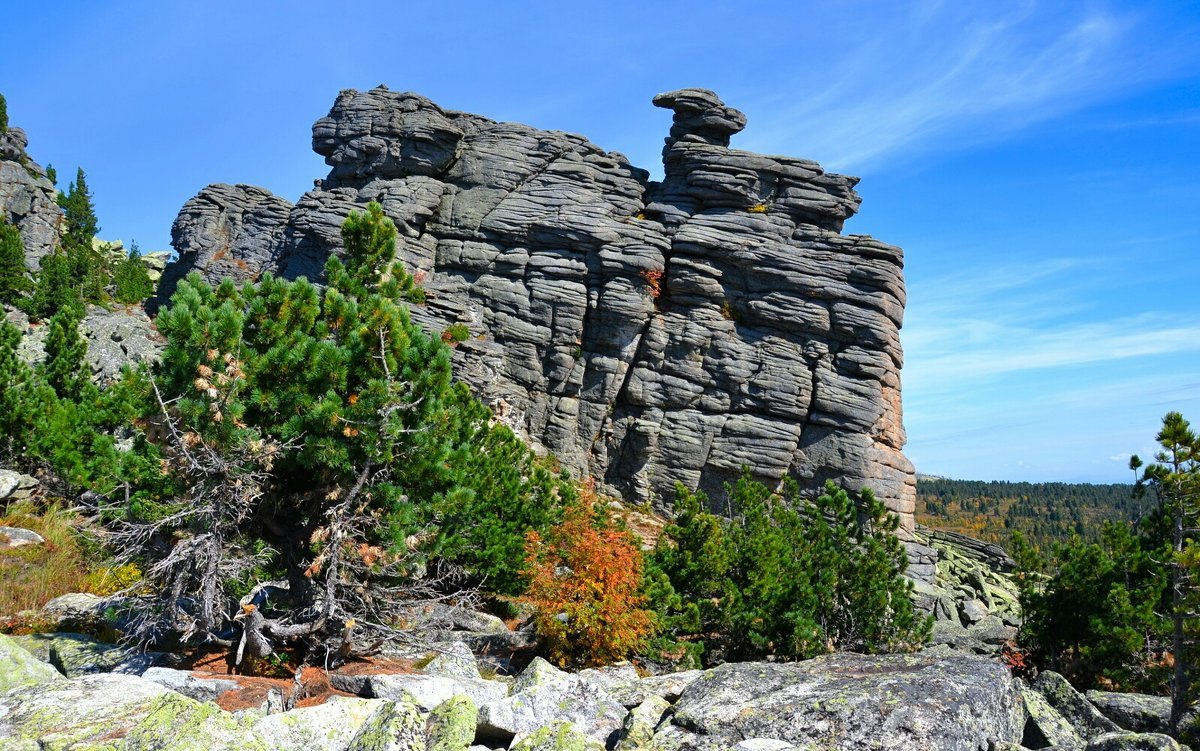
{"x": 70, "y": 691}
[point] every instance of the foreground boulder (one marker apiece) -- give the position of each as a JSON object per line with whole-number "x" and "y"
{"x": 1122, "y": 741}
{"x": 86, "y": 709}
{"x": 544, "y": 694}
{"x": 1075, "y": 709}
{"x": 1139, "y": 713}
{"x": 76, "y": 654}
{"x": 19, "y": 668}
{"x": 922, "y": 702}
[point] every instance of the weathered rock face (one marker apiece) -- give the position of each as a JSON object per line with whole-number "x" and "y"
{"x": 644, "y": 332}
{"x": 925, "y": 701}
{"x": 27, "y": 198}
{"x": 114, "y": 339}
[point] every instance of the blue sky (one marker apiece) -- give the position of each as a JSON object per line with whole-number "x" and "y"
{"x": 1038, "y": 162}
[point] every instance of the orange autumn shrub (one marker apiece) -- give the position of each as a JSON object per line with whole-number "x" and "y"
{"x": 584, "y": 585}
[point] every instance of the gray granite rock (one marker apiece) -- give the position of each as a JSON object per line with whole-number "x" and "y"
{"x": 1073, "y": 706}
{"x": 645, "y": 333}
{"x": 28, "y": 199}
{"x": 1140, "y": 713}
{"x": 927, "y": 701}
{"x": 15, "y": 486}
{"x": 1045, "y": 727}
{"x": 455, "y": 660}
{"x": 16, "y": 537}
{"x": 21, "y": 668}
{"x": 191, "y": 685}
{"x": 76, "y": 655}
{"x": 1121, "y": 741}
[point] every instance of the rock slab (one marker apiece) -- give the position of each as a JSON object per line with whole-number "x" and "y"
{"x": 926, "y": 701}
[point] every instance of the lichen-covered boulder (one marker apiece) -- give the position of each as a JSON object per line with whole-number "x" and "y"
{"x": 428, "y": 691}
{"x": 1044, "y": 726}
{"x": 669, "y": 686}
{"x": 1073, "y": 706}
{"x": 173, "y": 722}
{"x": 76, "y": 654}
{"x": 15, "y": 486}
{"x": 543, "y": 694}
{"x": 83, "y": 612}
{"x": 19, "y": 667}
{"x": 396, "y": 726}
{"x": 326, "y": 727}
{"x": 454, "y": 660}
{"x": 559, "y": 735}
{"x": 451, "y": 725}
{"x": 1140, "y": 713}
{"x": 85, "y": 710}
{"x": 641, "y": 723}
{"x": 924, "y": 702}
{"x": 610, "y": 677}
{"x": 1123, "y": 741}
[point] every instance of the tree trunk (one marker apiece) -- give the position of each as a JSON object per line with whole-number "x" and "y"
{"x": 1179, "y": 685}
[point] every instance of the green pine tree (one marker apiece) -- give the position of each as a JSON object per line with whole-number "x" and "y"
{"x": 53, "y": 289}
{"x": 14, "y": 281}
{"x": 787, "y": 577}
{"x": 88, "y": 266}
{"x": 131, "y": 280}
{"x": 15, "y": 377}
{"x": 67, "y": 370}
{"x": 3, "y": 115}
{"x": 317, "y": 398}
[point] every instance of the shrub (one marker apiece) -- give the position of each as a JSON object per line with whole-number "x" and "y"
{"x": 131, "y": 280}
{"x": 758, "y": 208}
{"x": 787, "y": 577}
{"x": 35, "y": 574}
{"x": 14, "y": 281}
{"x": 584, "y": 585}
{"x": 316, "y": 434}
{"x": 455, "y": 333}
{"x": 653, "y": 278}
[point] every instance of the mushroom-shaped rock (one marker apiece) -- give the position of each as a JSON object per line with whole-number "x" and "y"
{"x": 701, "y": 113}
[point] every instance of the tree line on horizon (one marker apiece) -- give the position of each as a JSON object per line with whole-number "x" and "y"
{"x": 1044, "y": 513}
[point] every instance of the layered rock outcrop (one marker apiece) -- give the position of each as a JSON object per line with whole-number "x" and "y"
{"x": 645, "y": 332}
{"x": 27, "y": 198}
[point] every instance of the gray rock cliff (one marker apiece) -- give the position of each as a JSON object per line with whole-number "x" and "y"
{"x": 27, "y": 198}
{"x": 645, "y": 332}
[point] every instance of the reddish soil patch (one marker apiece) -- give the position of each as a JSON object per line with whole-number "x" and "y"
{"x": 314, "y": 685}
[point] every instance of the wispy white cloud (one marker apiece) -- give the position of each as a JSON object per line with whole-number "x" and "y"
{"x": 1003, "y": 349}
{"x": 960, "y": 73}
{"x": 1004, "y": 378}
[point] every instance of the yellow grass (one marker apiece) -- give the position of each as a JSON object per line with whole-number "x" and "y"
{"x": 31, "y": 575}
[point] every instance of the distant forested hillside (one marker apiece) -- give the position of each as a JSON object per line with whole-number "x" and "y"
{"x": 1046, "y": 512}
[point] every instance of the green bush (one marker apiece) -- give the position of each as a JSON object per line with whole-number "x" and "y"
{"x": 3, "y": 115}
{"x": 343, "y": 377}
{"x": 131, "y": 280}
{"x": 14, "y": 281}
{"x": 455, "y": 333}
{"x": 787, "y": 577}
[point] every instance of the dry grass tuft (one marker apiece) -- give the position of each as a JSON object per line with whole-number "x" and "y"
{"x": 31, "y": 575}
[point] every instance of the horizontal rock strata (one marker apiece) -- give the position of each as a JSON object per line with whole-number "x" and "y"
{"x": 27, "y": 198}
{"x": 645, "y": 332}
